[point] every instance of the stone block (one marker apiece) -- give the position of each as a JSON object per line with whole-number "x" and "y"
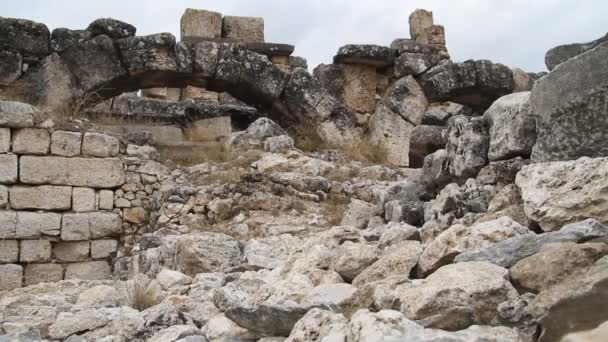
{"x": 45, "y": 197}
{"x": 214, "y": 129}
{"x": 419, "y": 20}
{"x": 102, "y": 249}
{"x": 10, "y": 276}
{"x": 16, "y": 114}
{"x": 83, "y": 200}
{"x": 9, "y": 251}
{"x": 106, "y": 200}
{"x": 168, "y": 94}
{"x": 8, "y": 224}
{"x": 75, "y": 227}
{"x": 199, "y": 94}
{"x": 8, "y": 168}
{"x": 104, "y": 224}
{"x": 135, "y": 215}
{"x": 243, "y": 29}
{"x": 43, "y": 273}
{"x": 3, "y": 196}
{"x": 5, "y": 140}
{"x": 86, "y": 172}
{"x": 360, "y": 83}
{"x": 200, "y": 24}
{"x": 34, "y": 225}
{"x": 94, "y": 270}
{"x": 31, "y": 141}
{"x": 66, "y": 144}
{"x": 434, "y": 36}
{"x": 100, "y": 145}
{"x": 35, "y": 251}
{"x": 71, "y": 251}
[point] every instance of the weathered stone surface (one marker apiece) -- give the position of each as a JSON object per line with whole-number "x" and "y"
{"x": 35, "y": 251}
{"x": 11, "y": 276}
{"x": 562, "y": 53}
{"x": 93, "y": 270}
{"x": 244, "y": 29}
{"x": 321, "y": 325}
{"x": 270, "y": 252}
{"x": 220, "y": 328}
{"x": 257, "y": 133}
{"x": 8, "y": 224}
{"x": 94, "y": 62}
{"x": 207, "y": 252}
{"x": 45, "y": 197}
{"x": 31, "y": 141}
{"x": 406, "y": 98}
{"x": 143, "y": 54}
{"x": 415, "y": 58}
{"x": 436, "y": 171}
{"x": 512, "y": 127}
{"x": 66, "y": 144}
{"x": 29, "y": 38}
{"x": 438, "y": 114}
{"x": 42, "y": 273}
{"x": 329, "y": 295}
{"x": 282, "y": 143}
{"x": 9, "y": 251}
{"x": 359, "y": 92}
{"x": 458, "y": 295}
{"x": 177, "y": 333}
{"x": 168, "y": 279}
{"x": 434, "y": 36}
{"x": 475, "y": 333}
{"x": 9, "y": 168}
{"x": 278, "y": 51}
{"x": 71, "y": 251}
{"x": 554, "y": 264}
{"x": 391, "y": 132}
{"x": 352, "y": 258}
{"x": 16, "y": 114}
{"x": 399, "y": 260}
{"x": 358, "y": 213}
{"x": 366, "y": 326}
{"x": 197, "y": 23}
{"x": 503, "y": 171}
{"x": 83, "y": 200}
{"x": 86, "y": 172}
{"x": 425, "y": 140}
{"x": 99, "y": 145}
{"x": 63, "y": 38}
{"x": 3, "y": 197}
{"x": 508, "y": 252}
{"x": 34, "y": 225}
{"x": 106, "y": 200}
{"x": 459, "y": 239}
{"x": 570, "y": 108}
{"x": 269, "y": 320}
{"x": 69, "y": 323}
{"x": 10, "y": 67}
{"x": 556, "y": 193}
{"x": 474, "y": 83}
{"x": 372, "y": 55}
{"x": 101, "y": 249}
{"x": 420, "y": 20}
{"x": 522, "y": 81}
{"x": 75, "y": 227}
{"x": 112, "y": 28}
{"x": 104, "y": 224}
{"x": 467, "y": 147}
{"x": 595, "y": 335}
{"x": 5, "y": 140}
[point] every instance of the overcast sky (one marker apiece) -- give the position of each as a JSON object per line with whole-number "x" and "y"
{"x": 513, "y": 32}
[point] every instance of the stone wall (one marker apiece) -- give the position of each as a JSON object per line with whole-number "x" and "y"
{"x": 71, "y": 201}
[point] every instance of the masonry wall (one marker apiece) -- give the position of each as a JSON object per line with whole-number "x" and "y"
{"x": 71, "y": 202}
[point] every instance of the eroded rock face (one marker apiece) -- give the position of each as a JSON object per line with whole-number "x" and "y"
{"x": 562, "y": 53}
{"x": 467, "y": 147}
{"x": 112, "y": 28}
{"x": 207, "y": 252}
{"x": 29, "y": 38}
{"x": 319, "y": 325}
{"x": 556, "y": 193}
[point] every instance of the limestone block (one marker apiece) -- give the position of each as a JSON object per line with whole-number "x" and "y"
{"x": 9, "y": 251}
{"x": 94, "y": 270}
{"x": 100, "y": 145}
{"x": 8, "y": 224}
{"x": 5, "y": 140}
{"x": 434, "y": 36}
{"x": 16, "y": 114}
{"x": 213, "y": 129}
{"x": 34, "y": 225}
{"x": 244, "y": 29}
{"x": 135, "y": 215}
{"x": 101, "y": 249}
{"x": 420, "y": 19}
{"x": 360, "y": 83}
{"x": 88, "y": 172}
{"x": 106, "y": 200}
{"x": 35, "y": 251}
{"x": 3, "y": 196}
{"x": 200, "y": 24}
{"x": 104, "y": 224}
{"x": 43, "y": 273}
{"x": 75, "y": 227}
{"x": 83, "y": 200}
{"x": 46, "y": 197}
{"x": 199, "y": 94}
{"x": 71, "y": 251}
{"x": 10, "y": 276}
{"x": 31, "y": 141}
{"x": 8, "y": 168}
{"x": 66, "y": 144}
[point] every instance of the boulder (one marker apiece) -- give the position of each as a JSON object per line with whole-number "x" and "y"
{"x": 501, "y": 172}
{"x": 457, "y": 296}
{"x": 398, "y": 260}
{"x": 112, "y": 28}
{"x": 438, "y": 114}
{"x": 557, "y": 193}
{"x": 358, "y": 213}
{"x": 29, "y": 38}
{"x": 256, "y": 134}
{"x": 474, "y": 333}
{"x": 366, "y": 326}
{"x": 270, "y": 252}
{"x": 220, "y": 328}
{"x": 459, "y": 239}
{"x": 512, "y": 127}
{"x": 69, "y": 323}
{"x": 562, "y": 53}
{"x": 569, "y": 105}
{"x": 321, "y": 325}
{"x": 352, "y": 258}
{"x": 595, "y": 335}
{"x": 425, "y": 140}
{"x": 63, "y": 38}
{"x": 391, "y": 132}
{"x": 436, "y": 171}
{"x": 508, "y": 252}
{"x": 522, "y": 81}
{"x": 207, "y": 252}
{"x": 176, "y": 333}
{"x": 269, "y": 320}
{"x": 405, "y": 98}
{"x": 467, "y": 147}
{"x": 372, "y": 55}
{"x": 419, "y": 20}
{"x": 473, "y": 83}
{"x": 330, "y": 295}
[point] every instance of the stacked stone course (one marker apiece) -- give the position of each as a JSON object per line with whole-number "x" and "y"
{"x": 69, "y": 201}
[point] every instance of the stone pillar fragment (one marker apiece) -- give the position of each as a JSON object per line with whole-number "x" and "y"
{"x": 196, "y": 24}
{"x": 243, "y": 29}
{"x": 420, "y": 20}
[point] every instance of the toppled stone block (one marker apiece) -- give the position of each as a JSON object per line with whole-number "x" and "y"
{"x": 43, "y": 273}
{"x": 31, "y": 225}
{"x": 10, "y": 276}
{"x": 112, "y": 28}
{"x": 35, "y": 251}
{"x": 200, "y": 24}
{"x": 66, "y": 144}
{"x": 420, "y": 20}
{"x": 244, "y": 29}
{"x": 8, "y": 224}
{"x": 16, "y": 114}
{"x": 5, "y": 140}
{"x": 9, "y": 251}
{"x": 102, "y": 249}
{"x": 29, "y": 38}
{"x": 46, "y": 197}
{"x": 63, "y": 38}
{"x": 373, "y": 55}
{"x": 100, "y": 145}
{"x": 86, "y": 172}
{"x": 94, "y": 270}
{"x": 31, "y": 141}
{"x": 8, "y": 168}
{"x": 71, "y": 251}
{"x": 11, "y": 64}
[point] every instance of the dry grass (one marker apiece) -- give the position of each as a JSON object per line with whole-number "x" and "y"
{"x": 139, "y": 297}
{"x": 363, "y": 150}
{"x": 69, "y": 110}
{"x": 194, "y": 154}
{"x": 307, "y": 139}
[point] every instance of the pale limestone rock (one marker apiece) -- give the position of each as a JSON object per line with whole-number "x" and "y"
{"x": 175, "y": 333}
{"x": 32, "y": 225}
{"x": 420, "y": 20}
{"x": 9, "y": 251}
{"x": 596, "y": 335}
{"x": 244, "y": 29}
{"x": 99, "y": 145}
{"x": 360, "y": 87}
{"x": 366, "y": 326}
{"x": 35, "y": 251}
{"x": 392, "y": 133}
{"x": 102, "y": 249}
{"x": 16, "y": 114}
{"x": 329, "y": 295}
{"x": 5, "y": 140}
{"x": 83, "y": 200}
{"x": 69, "y": 323}
{"x": 43, "y": 273}
{"x": 206, "y": 252}
{"x": 521, "y": 81}
{"x": 75, "y": 227}
{"x": 102, "y": 296}
{"x": 93, "y": 270}
{"x": 352, "y": 258}
{"x": 320, "y": 325}
{"x": 272, "y": 251}
{"x": 3, "y": 196}
{"x": 135, "y": 215}
{"x": 142, "y": 152}
{"x": 168, "y": 279}
{"x": 200, "y": 24}
{"x": 10, "y": 276}
{"x": 104, "y": 225}
{"x": 474, "y": 333}
{"x": 46, "y": 197}
{"x": 71, "y": 251}
{"x": 86, "y": 172}
{"x": 398, "y": 260}
{"x": 8, "y": 224}
{"x": 65, "y": 143}
{"x": 220, "y": 328}
{"x": 358, "y": 213}
{"x": 8, "y": 168}
{"x": 106, "y": 200}
{"x": 31, "y": 141}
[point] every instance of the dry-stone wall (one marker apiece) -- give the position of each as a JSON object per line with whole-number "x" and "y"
{"x": 70, "y": 201}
